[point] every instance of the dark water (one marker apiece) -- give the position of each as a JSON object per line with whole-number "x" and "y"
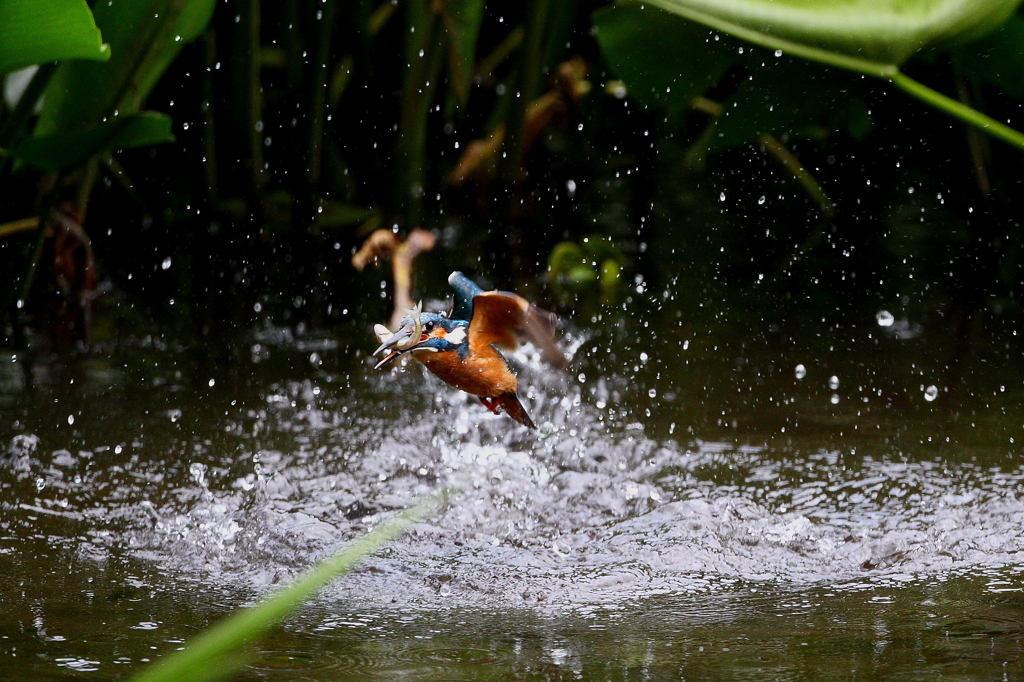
{"x": 694, "y": 507}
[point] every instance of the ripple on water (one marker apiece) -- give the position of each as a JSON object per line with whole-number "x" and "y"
{"x": 375, "y": 658}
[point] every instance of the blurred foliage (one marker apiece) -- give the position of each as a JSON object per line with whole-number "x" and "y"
{"x": 87, "y": 110}
{"x": 39, "y": 31}
{"x": 65, "y": 149}
{"x": 519, "y": 134}
{"x": 144, "y": 38}
{"x": 592, "y": 266}
{"x": 997, "y": 59}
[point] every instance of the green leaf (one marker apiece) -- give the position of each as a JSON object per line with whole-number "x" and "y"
{"x": 867, "y": 36}
{"x": 789, "y": 97}
{"x": 880, "y": 31}
{"x": 66, "y": 150}
{"x": 610, "y": 275}
{"x": 665, "y": 60}
{"x": 341, "y": 214}
{"x": 998, "y": 58}
{"x": 185, "y": 21}
{"x": 218, "y": 651}
{"x": 462, "y": 19}
{"x": 564, "y": 257}
{"x": 144, "y": 36}
{"x": 40, "y": 31}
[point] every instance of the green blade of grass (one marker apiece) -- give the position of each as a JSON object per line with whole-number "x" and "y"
{"x": 216, "y": 652}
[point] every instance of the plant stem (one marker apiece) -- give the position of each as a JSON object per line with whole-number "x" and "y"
{"x": 37, "y": 254}
{"x": 531, "y": 67}
{"x": 14, "y": 126}
{"x": 251, "y": 17}
{"x": 318, "y": 104}
{"x": 40, "y": 240}
{"x": 16, "y": 226}
{"x": 958, "y": 110}
{"x": 784, "y": 156}
{"x": 26, "y": 103}
{"x": 423, "y": 55}
{"x": 499, "y": 54}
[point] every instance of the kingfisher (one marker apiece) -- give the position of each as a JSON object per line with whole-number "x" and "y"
{"x": 461, "y": 347}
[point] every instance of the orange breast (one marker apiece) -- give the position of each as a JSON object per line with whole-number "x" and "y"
{"x": 485, "y": 374}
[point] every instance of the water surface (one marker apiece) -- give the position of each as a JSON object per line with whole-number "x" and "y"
{"x": 693, "y": 506}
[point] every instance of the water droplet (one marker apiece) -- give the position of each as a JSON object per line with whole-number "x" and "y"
{"x": 71, "y": 419}
{"x": 212, "y": 382}
{"x": 570, "y": 187}
{"x": 801, "y": 371}
{"x": 931, "y": 393}
{"x": 653, "y": 393}
{"x": 198, "y": 472}
{"x": 760, "y": 200}
{"x": 166, "y": 264}
{"x": 778, "y": 53}
{"x": 885, "y": 318}
{"x": 721, "y": 196}
{"x": 834, "y": 399}
{"x": 833, "y": 382}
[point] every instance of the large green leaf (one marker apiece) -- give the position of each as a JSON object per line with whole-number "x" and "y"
{"x": 998, "y": 58}
{"x": 67, "y": 149}
{"x": 885, "y": 32}
{"x": 39, "y": 31}
{"x": 790, "y": 97}
{"x": 665, "y": 60}
{"x": 144, "y": 36}
{"x": 871, "y": 37}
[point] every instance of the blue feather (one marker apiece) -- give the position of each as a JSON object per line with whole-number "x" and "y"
{"x": 465, "y": 290}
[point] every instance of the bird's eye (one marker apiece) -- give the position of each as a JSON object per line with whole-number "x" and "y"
{"x": 429, "y": 326}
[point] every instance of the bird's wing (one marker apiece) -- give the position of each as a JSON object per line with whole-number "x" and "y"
{"x": 465, "y": 289}
{"x": 502, "y": 319}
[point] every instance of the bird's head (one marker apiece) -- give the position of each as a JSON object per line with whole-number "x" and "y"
{"x": 421, "y": 333}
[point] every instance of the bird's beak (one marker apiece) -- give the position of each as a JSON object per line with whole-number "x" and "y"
{"x": 403, "y": 340}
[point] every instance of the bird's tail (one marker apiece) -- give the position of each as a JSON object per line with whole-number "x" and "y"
{"x": 513, "y": 408}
